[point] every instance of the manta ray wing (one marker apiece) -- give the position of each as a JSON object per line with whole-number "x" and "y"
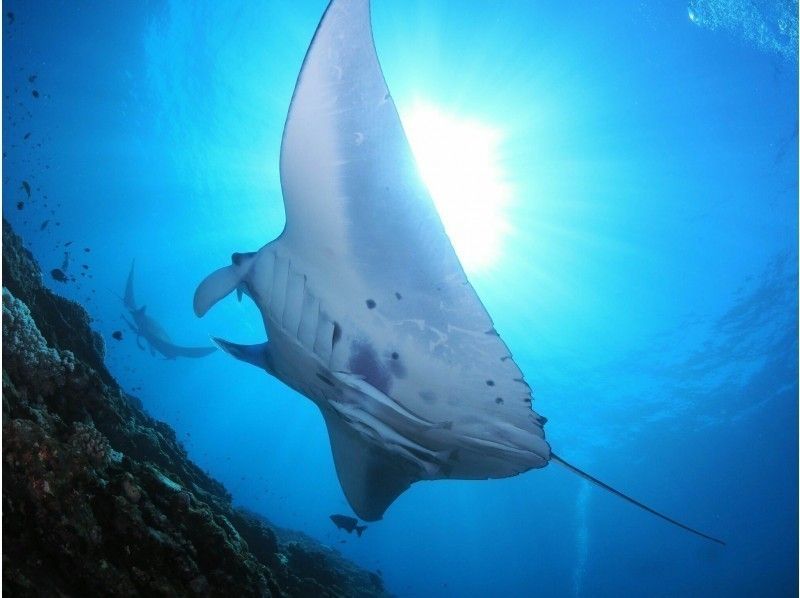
{"x": 350, "y": 184}
{"x": 371, "y": 478}
{"x": 357, "y": 207}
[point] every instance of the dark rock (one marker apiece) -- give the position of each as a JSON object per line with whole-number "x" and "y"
{"x": 101, "y": 499}
{"x": 316, "y": 570}
{"x": 63, "y": 323}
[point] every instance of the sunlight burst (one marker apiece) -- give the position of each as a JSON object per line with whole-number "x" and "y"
{"x": 458, "y": 158}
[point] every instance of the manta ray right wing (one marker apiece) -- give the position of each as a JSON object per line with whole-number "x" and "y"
{"x": 351, "y": 187}
{"x": 361, "y": 222}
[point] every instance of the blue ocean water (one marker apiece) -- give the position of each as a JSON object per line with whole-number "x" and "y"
{"x": 647, "y": 283}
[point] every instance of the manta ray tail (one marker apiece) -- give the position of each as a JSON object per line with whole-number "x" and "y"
{"x": 605, "y": 486}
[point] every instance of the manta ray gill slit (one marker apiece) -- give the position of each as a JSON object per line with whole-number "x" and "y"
{"x": 459, "y": 160}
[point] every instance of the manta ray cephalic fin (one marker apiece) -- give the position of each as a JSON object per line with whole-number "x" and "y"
{"x": 257, "y": 355}
{"x": 214, "y": 287}
{"x": 222, "y": 282}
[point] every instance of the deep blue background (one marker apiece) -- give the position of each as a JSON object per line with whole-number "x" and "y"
{"x": 648, "y": 288}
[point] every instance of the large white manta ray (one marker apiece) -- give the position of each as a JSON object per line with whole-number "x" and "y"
{"x": 367, "y": 309}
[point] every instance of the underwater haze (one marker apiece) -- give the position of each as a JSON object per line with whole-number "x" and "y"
{"x": 620, "y": 181}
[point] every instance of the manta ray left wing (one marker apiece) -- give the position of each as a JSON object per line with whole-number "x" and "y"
{"x": 359, "y": 215}
{"x": 350, "y": 183}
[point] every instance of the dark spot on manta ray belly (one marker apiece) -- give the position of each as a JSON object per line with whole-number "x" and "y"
{"x": 398, "y": 295}
{"x": 396, "y": 366}
{"x": 364, "y": 362}
{"x": 499, "y": 400}
{"x": 371, "y": 304}
{"x": 490, "y": 383}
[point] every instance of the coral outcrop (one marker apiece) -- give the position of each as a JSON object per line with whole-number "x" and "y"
{"x": 101, "y": 499}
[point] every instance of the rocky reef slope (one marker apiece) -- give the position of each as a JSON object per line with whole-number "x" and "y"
{"x": 100, "y": 499}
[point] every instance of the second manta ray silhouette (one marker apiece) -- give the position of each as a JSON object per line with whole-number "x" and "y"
{"x": 151, "y": 331}
{"x": 367, "y": 309}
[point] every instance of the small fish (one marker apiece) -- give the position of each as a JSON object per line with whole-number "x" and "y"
{"x": 348, "y": 524}
{"x": 27, "y": 187}
{"x": 10, "y": 16}
{"x": 32, "y": 78}
{"x": 20, "y": 205}
{"x": 117, "y": 334}
{"x": 35, "y": 93}
{"x": 58, "y": 275}
{"x": 27, "y": 136}
{"x": 44, "y": 225}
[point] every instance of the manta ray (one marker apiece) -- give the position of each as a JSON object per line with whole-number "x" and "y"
{"x": 366, "y": 307}
{"x": 151, "y": 331}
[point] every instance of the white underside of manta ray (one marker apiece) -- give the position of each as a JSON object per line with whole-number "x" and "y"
{"x": 367, "y": 309}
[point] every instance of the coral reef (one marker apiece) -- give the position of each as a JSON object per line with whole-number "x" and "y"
{"x": 100, "y": 499}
